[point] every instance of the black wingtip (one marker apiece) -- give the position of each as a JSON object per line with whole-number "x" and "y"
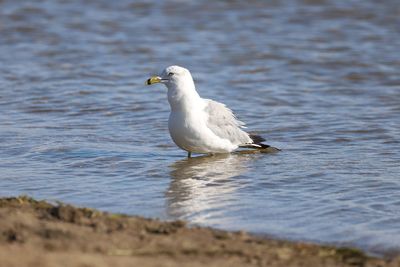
{"x": 257, "y": 139}
{"x": 263, "y": 146}
{"x": 258, "y": 143}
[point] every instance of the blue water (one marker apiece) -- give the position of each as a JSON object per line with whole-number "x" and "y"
{"x": 318, "y": 79}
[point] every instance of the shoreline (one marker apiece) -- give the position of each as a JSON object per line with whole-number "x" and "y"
{"x": 37, "y": 233}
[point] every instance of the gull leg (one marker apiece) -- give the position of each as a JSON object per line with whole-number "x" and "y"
{"x": 189, "y": 154}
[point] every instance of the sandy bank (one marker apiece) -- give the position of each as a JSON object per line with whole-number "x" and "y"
{"x": 36, "y": 233}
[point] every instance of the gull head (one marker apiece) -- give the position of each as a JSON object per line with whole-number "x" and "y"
{"x": 173, "y": 77}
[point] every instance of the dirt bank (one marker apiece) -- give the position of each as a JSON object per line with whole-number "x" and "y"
{"x": 36, "y": 233}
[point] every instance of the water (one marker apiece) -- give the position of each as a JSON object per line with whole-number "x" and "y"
{"x": 319, "y": 79}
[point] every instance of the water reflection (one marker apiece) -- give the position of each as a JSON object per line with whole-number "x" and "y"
{"x": 200, "y": 186}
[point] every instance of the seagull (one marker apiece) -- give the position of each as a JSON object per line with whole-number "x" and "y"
{"x": 199, "y": 125}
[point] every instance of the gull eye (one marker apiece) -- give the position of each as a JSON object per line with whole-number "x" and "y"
{"x": 170, "y": 74}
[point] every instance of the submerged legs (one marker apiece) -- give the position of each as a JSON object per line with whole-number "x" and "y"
{"x": 189, "y": 154}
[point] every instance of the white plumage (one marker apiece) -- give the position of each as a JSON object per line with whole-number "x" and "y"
{"x": 200, "y": 125}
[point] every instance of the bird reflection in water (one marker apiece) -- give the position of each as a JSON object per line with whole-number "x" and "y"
{"x": 200, "y": 186}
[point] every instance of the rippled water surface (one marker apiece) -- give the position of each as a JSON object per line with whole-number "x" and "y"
{"x": 319, "y": 79}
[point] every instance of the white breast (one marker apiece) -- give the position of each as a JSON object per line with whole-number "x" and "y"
{"x": 190, "y": 132}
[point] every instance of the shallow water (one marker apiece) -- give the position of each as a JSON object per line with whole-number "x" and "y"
{"x": 319, "y": 79}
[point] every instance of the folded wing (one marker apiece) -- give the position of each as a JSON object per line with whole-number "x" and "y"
{"x": 224, "y": 124}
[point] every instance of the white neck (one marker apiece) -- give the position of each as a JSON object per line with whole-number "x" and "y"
{"x": 183, "y": 96}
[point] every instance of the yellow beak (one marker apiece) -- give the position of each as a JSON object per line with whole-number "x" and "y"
{"x": 153, "y": 80}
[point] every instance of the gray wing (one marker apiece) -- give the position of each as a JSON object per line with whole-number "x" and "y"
{"x": 224, "y": 124}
